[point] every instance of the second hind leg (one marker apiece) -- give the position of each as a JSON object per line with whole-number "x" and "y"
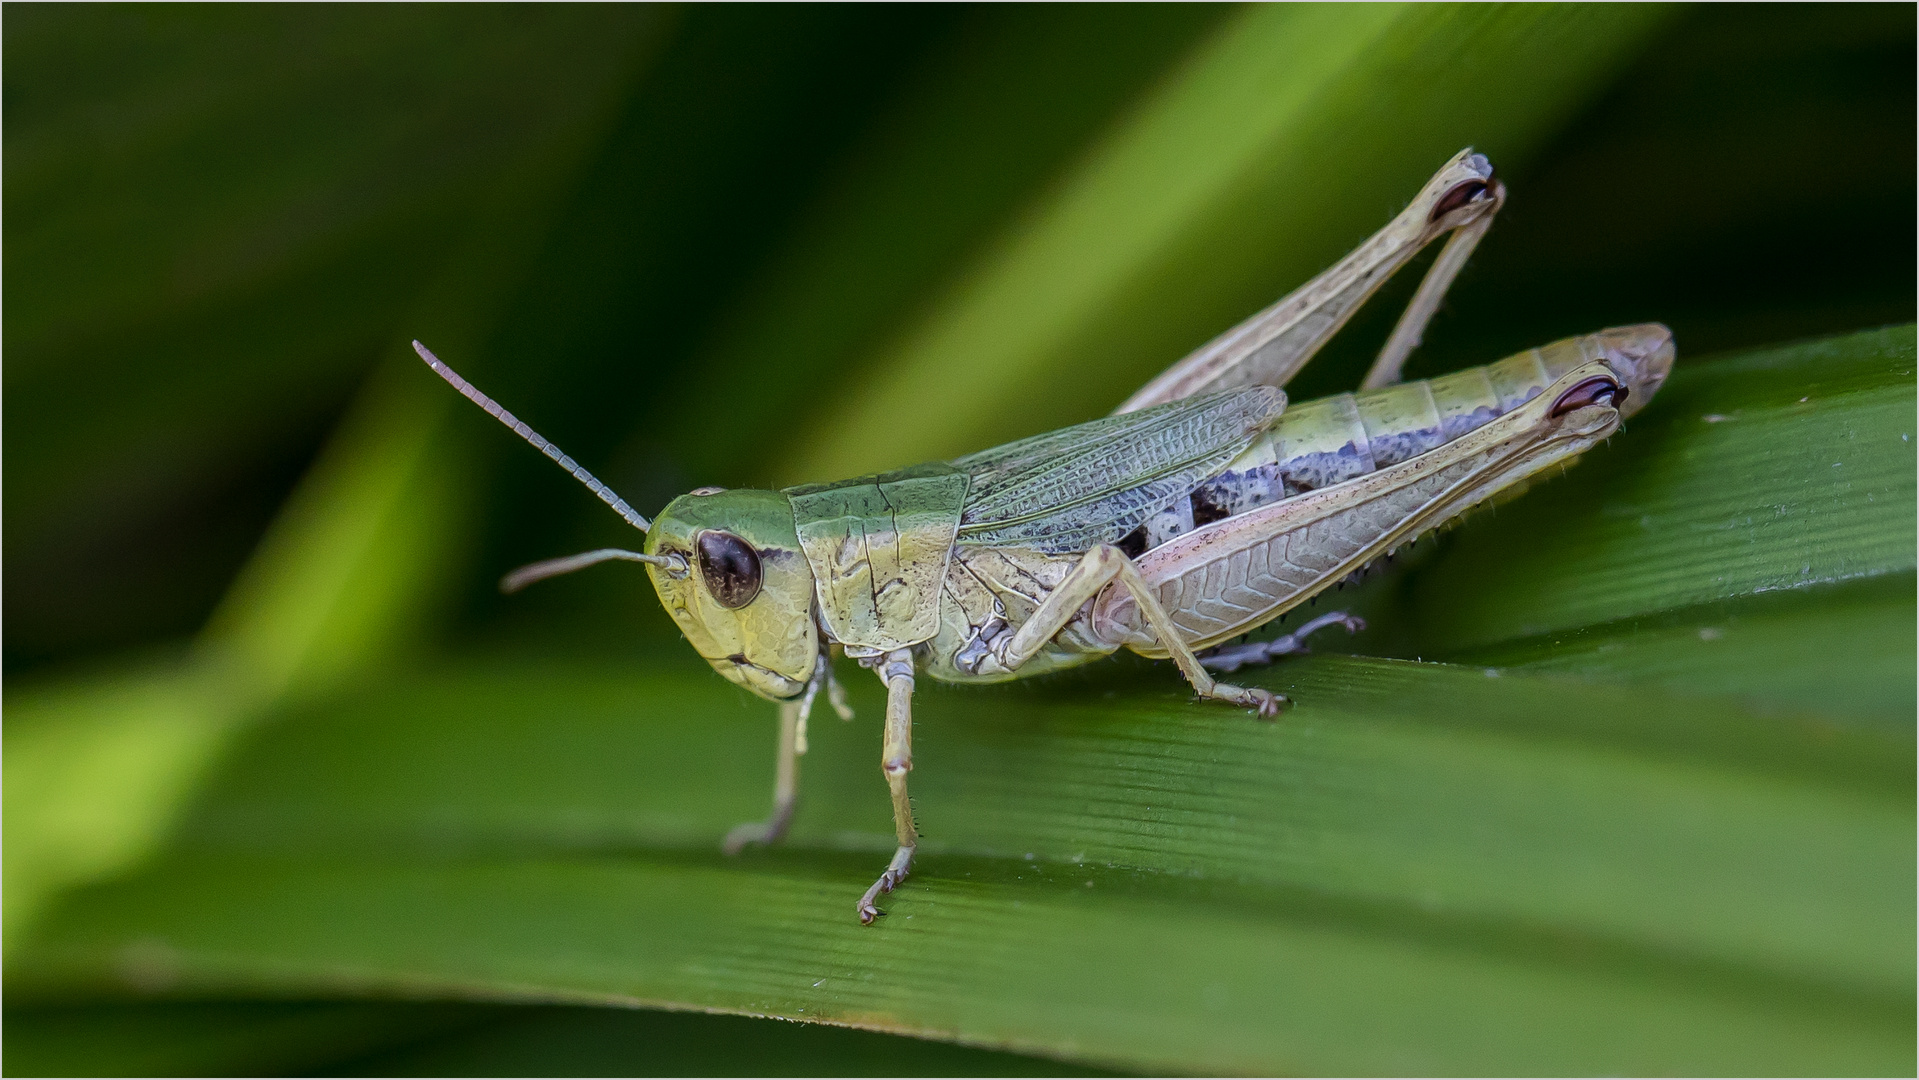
{"x": 1230, "y": 658}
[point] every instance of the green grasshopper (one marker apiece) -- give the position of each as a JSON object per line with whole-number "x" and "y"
{"x": 1202, "y": 509}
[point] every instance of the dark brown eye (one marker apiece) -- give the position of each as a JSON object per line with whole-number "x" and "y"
{"x": 1594, "y": 391}
{"x": 1460, "y": 195}
{"x": 730, "y": 567}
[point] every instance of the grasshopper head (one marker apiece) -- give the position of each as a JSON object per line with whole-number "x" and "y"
{"x": 727, "y": 565}
{"x": 1641, "y": 356}
{"x": 739, "y": 586}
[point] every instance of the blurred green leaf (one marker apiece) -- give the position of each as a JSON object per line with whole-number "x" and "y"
{"x": 445, "y": 1039}
{"x": 1670, "y": 199}
{"x": 991, "y": 118}
{"x": 1276, "y": 147}
{"x": 93, "y": 770}
{"x": 216, "y": 218}
{"x": 213, "y": 1039}
{"x": 1422, "y": 868}
{"x": 345, "y": 580}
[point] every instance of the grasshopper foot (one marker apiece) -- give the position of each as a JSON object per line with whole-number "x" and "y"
{"x": 1230, "y": 658}
{"x": 747, "y": 832}
{"x": 895, "y": 873}
{"x": 768, "y": 832}
{"x": 1265, "y": 702}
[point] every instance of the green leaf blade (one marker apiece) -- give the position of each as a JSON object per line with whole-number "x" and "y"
{"x": 991, "y": 962}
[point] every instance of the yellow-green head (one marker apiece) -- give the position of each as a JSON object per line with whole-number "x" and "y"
{"x": 727, "y": 565}
{"x": 732, "y": 575}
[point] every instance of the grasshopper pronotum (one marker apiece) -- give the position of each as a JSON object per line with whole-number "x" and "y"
{"x": 1202, "y": 509}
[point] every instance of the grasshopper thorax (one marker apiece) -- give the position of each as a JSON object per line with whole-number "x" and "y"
{"x": 738, "y": 585}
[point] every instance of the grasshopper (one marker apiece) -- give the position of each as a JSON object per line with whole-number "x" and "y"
{"x": 1203, "y": 508}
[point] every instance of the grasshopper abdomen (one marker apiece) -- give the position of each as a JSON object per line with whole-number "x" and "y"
{"x": 1337, "y": 482}
{"x": 1331, "y": 440}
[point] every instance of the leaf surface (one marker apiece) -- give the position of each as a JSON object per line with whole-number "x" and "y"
{"x": 1629, "y": 847}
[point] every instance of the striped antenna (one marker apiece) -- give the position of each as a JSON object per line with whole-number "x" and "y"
{"x": 467, "y": 390}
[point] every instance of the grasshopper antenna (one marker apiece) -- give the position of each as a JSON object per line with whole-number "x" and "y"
{"x": 527, "y": 575}
{"x": 540, "y": 571}
{"x": 471, "y": 393}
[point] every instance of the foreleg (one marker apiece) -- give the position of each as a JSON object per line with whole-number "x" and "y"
{"x": 786, "y": 773}
{"x": 786, "y": 787}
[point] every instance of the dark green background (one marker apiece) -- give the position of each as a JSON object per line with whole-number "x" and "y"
{"x": 215, "y": 219}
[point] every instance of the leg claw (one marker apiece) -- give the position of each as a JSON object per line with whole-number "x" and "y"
{"x": 1266, "y": 703}
{"x": 894, "y": 874}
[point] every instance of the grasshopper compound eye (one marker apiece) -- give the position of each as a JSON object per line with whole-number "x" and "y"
{"x": 1460, "y": 195}
{"x": 1597, "y": 390}
{"x": 730, "y": 567}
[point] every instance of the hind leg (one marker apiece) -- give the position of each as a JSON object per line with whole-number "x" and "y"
{"x": 1270, "y": 347}
{"x": 1230, "y": 658}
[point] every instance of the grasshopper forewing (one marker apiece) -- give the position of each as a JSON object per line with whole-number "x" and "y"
{"x": 1202, "y": 509}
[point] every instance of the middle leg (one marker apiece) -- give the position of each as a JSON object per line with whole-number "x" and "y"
{"x": 896, "y": 760}
{"x": 1230, "y": 658}
{"x": 1100, "y": 566}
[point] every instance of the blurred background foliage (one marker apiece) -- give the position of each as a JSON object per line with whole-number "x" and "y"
{"x": 277, "y": 753}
